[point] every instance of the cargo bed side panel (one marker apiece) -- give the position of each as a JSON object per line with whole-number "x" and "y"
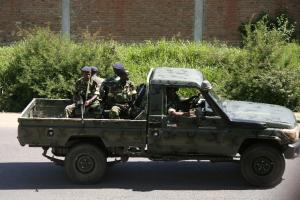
{"x": 42, "y": 123}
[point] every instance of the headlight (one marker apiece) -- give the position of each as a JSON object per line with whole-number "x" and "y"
{"x": 292, "y": 134}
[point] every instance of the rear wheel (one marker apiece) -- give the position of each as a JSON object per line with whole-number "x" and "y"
{"x": 85, "y": 164}
{"x": 262, "y": 165}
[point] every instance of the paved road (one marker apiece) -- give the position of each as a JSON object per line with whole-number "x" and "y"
{"x": 25, "y": 174}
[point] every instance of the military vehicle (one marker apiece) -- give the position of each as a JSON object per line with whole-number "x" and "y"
{"x": 258, "y": 136}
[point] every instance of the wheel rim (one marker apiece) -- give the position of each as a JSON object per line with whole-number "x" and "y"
{"x": 262, "y": 166}
{"x": 85, "y": 164}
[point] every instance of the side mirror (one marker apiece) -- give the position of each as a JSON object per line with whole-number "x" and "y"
{"x": 205, "y": 85}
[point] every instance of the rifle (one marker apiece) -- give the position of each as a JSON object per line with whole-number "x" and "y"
{"x": 82, "y": 107}
{"x": 136, "y": 105}
{"x": 82, "y": 101}
{"x": 141, "y": 90}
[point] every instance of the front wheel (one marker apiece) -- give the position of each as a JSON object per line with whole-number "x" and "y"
{"x": 262, "y": 165}
{"x": 85, "y": 164}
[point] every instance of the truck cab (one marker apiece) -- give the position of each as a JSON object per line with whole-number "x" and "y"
{"x": 182, "y": 136}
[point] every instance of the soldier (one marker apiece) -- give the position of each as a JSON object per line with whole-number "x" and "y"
{"x": 121, "y": 94}
{"x": 96, "y": 78}
{"x": 173, "y": 103}
{"x": 86, "y": 94}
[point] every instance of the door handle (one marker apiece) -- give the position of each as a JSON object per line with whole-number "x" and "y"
{"x": 171, "y": 125}
{"x": 155, "y": 133}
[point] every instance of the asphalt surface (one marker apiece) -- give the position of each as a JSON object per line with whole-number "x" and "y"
{"x": 25, "y": 174}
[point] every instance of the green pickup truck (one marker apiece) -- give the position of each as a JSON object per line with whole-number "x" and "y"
{"x": 258, "y": 136}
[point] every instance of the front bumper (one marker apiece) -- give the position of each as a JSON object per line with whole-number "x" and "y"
{"x": 292, "y": 150}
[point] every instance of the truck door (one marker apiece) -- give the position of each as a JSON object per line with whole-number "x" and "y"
{"x": 184, "y": 135}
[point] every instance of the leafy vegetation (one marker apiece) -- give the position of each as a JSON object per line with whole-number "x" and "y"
{"x": 44, "y": 64}
{"x": 270, "y": 73}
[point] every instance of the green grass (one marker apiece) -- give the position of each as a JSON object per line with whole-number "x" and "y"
{"x": 44, "y": 64}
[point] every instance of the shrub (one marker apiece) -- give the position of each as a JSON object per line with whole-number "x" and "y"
{"x": 210, "y": 58}
{"x": 279, "y": 22}
{"x": 270, "y": 73}
{"x": 47, "y": 65}
{"x": 267, "y": 86}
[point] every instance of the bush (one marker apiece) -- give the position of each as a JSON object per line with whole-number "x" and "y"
{"x": 270, "y": 74}
{"x": 272, "y": 86}
{"x": 279, "y": 22}
{"x": 45, "y": 64}
{"x": 211, "y": 59}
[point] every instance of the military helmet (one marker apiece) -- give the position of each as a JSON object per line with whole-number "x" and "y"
{"x": 86, "y": 69}
{"x": 94, "y": 68}
{"x": 118, "y": 66}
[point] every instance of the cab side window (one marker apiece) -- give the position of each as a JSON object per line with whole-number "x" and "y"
{"x": 181, "y": 101}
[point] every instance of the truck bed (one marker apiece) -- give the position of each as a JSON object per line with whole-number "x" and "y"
{"x": 43, "y": 123}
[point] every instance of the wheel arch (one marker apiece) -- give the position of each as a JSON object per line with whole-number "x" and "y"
{"x": 76, "y": 140}
{"x": 253, "y": 141}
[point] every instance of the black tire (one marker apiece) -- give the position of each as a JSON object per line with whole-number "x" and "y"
{"x": 85, "y": 164}
{"x": 262, "y": 165}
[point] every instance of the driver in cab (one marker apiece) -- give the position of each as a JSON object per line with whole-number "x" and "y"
{"x": 174, "y": 103}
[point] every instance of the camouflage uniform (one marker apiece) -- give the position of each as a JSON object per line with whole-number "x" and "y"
{"x": 97, "y": 79}
{"x": 119, "y": 98}
{"x": 81, "y": 88}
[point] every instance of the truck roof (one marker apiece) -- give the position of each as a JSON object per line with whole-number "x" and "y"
{"x": 176, "y": 77}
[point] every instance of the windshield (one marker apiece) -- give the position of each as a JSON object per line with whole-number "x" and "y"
{"x": 217, "y": 99}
